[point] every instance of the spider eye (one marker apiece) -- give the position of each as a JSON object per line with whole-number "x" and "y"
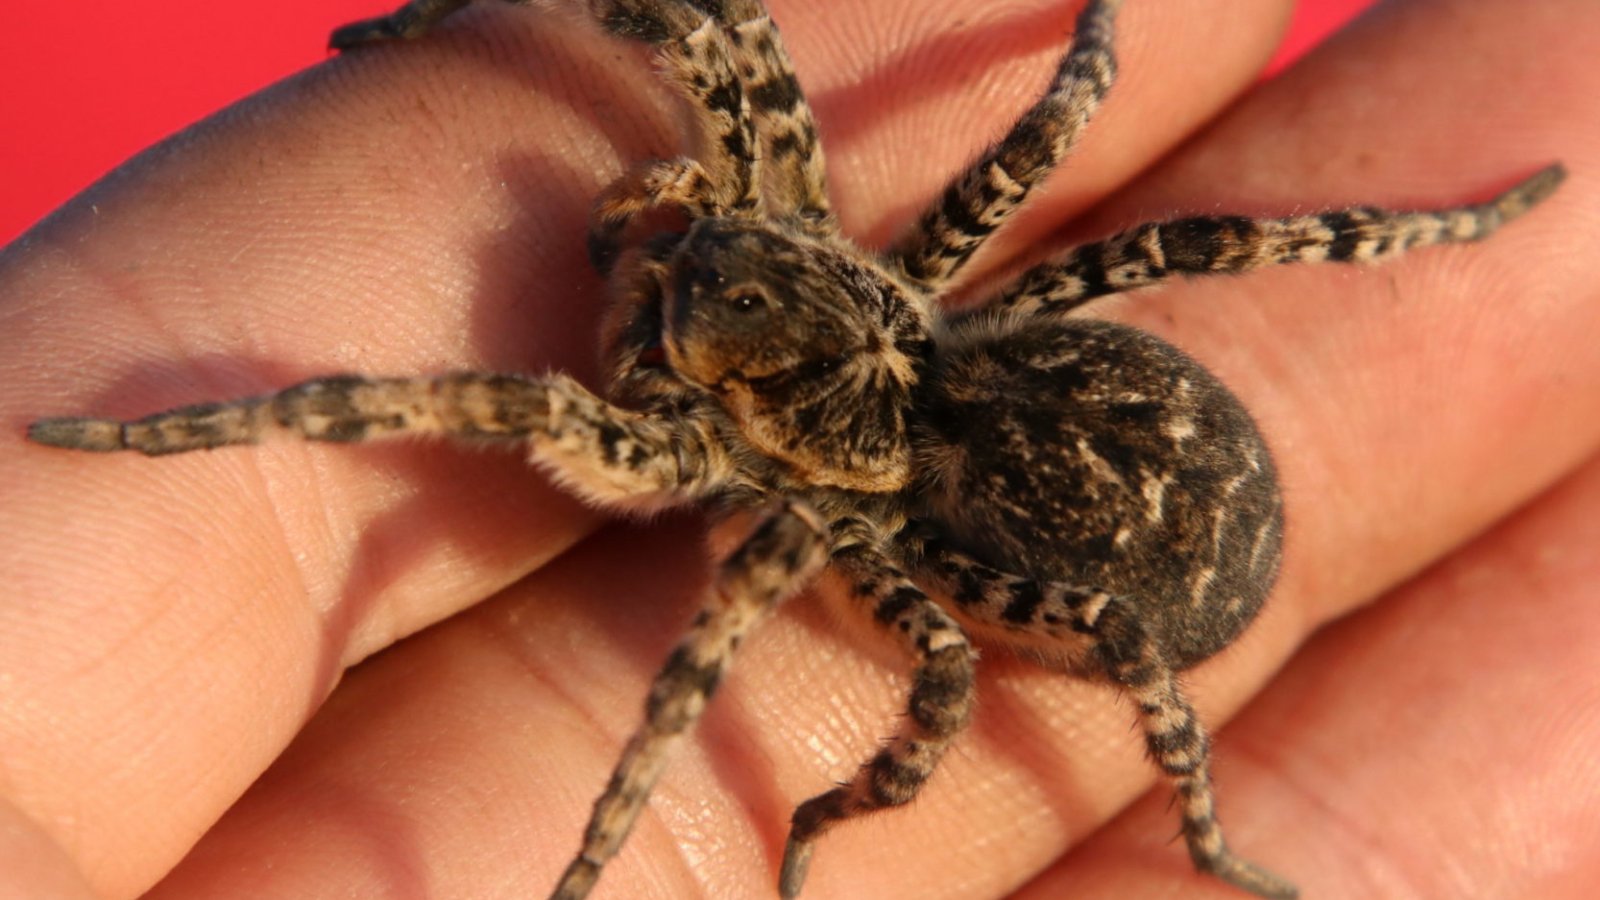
{"x": 747, "y": 302}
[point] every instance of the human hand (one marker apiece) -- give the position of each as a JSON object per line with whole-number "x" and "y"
{"x": 171, "y": 625}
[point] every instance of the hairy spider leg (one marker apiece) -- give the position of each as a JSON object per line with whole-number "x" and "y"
{"x": 784, "y": 551}
{"x": 939, "y": 706}
{"x": 751, "y": 116}
{"x": 1155, "y": 252}
{"x": 976, "y": 202}
{"x": 724, "y": 178}
{"x": 604, "y": 453}
{"x": 1124, "y": 650}
{"x": 796, "y": 181}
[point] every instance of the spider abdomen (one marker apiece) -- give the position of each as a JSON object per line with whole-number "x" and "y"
{"x": 1094, "y": 454}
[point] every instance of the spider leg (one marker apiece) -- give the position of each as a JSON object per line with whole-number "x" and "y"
{"x": 605, "y": 453}
{"x": 723, "y": 179}
{"x": 786, "y": 548}
{"x": 796, "y": 181}
{"x": 756, "y": 137}
{"x": 1155, "y": 252}
{"x": 972, "y": 206}
{"x": 939, "y": 707}
{"x": 757, "y": 149}
{"x": 653, "y": 21}
{"x": 1122, "y": 648}
{"x": 409, "y": 21}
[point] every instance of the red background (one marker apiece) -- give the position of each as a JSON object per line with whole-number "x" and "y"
{"x": 84, "y": 85}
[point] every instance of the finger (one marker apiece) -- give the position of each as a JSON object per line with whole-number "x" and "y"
{"x": 1437, "y": 745}
{"x": 368, "y": 215}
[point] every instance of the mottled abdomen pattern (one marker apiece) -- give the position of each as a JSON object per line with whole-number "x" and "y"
{"x": 1089, "y": 453}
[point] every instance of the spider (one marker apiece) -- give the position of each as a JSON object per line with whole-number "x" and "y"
{"x": 1073, "y": 488}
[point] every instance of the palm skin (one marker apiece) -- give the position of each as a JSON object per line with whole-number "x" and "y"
{"x": 172, "y": 626}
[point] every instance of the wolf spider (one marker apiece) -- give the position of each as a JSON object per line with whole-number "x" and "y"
{"x": 1072, "y": 487}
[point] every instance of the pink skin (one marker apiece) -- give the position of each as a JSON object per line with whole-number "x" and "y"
{"x": 169, "y": 627}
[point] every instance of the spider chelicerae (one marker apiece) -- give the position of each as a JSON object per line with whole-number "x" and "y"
{"x": 1073, "y": 488}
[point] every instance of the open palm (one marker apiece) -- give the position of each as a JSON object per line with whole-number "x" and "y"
{"x": 177, "y": 633}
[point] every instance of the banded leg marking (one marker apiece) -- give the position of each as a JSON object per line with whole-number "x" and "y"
{"x": 1012, "y": 602}
{"x": 939, "y": 707}
{"x": 796, "y": 179}
{"x": 724, "y": 178}
{"x": 1153, "y": 253}
{"x": 339, "y": 408}
{"x": 1176, "y": 741}
{"x": 605, "y": 453}
{"x": 951, "y": 229}
{"x": 783, "y": 552}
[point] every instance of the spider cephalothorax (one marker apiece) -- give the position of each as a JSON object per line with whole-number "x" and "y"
{"x": 811, "y": 348}
{"x": 1076, "y": 489}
